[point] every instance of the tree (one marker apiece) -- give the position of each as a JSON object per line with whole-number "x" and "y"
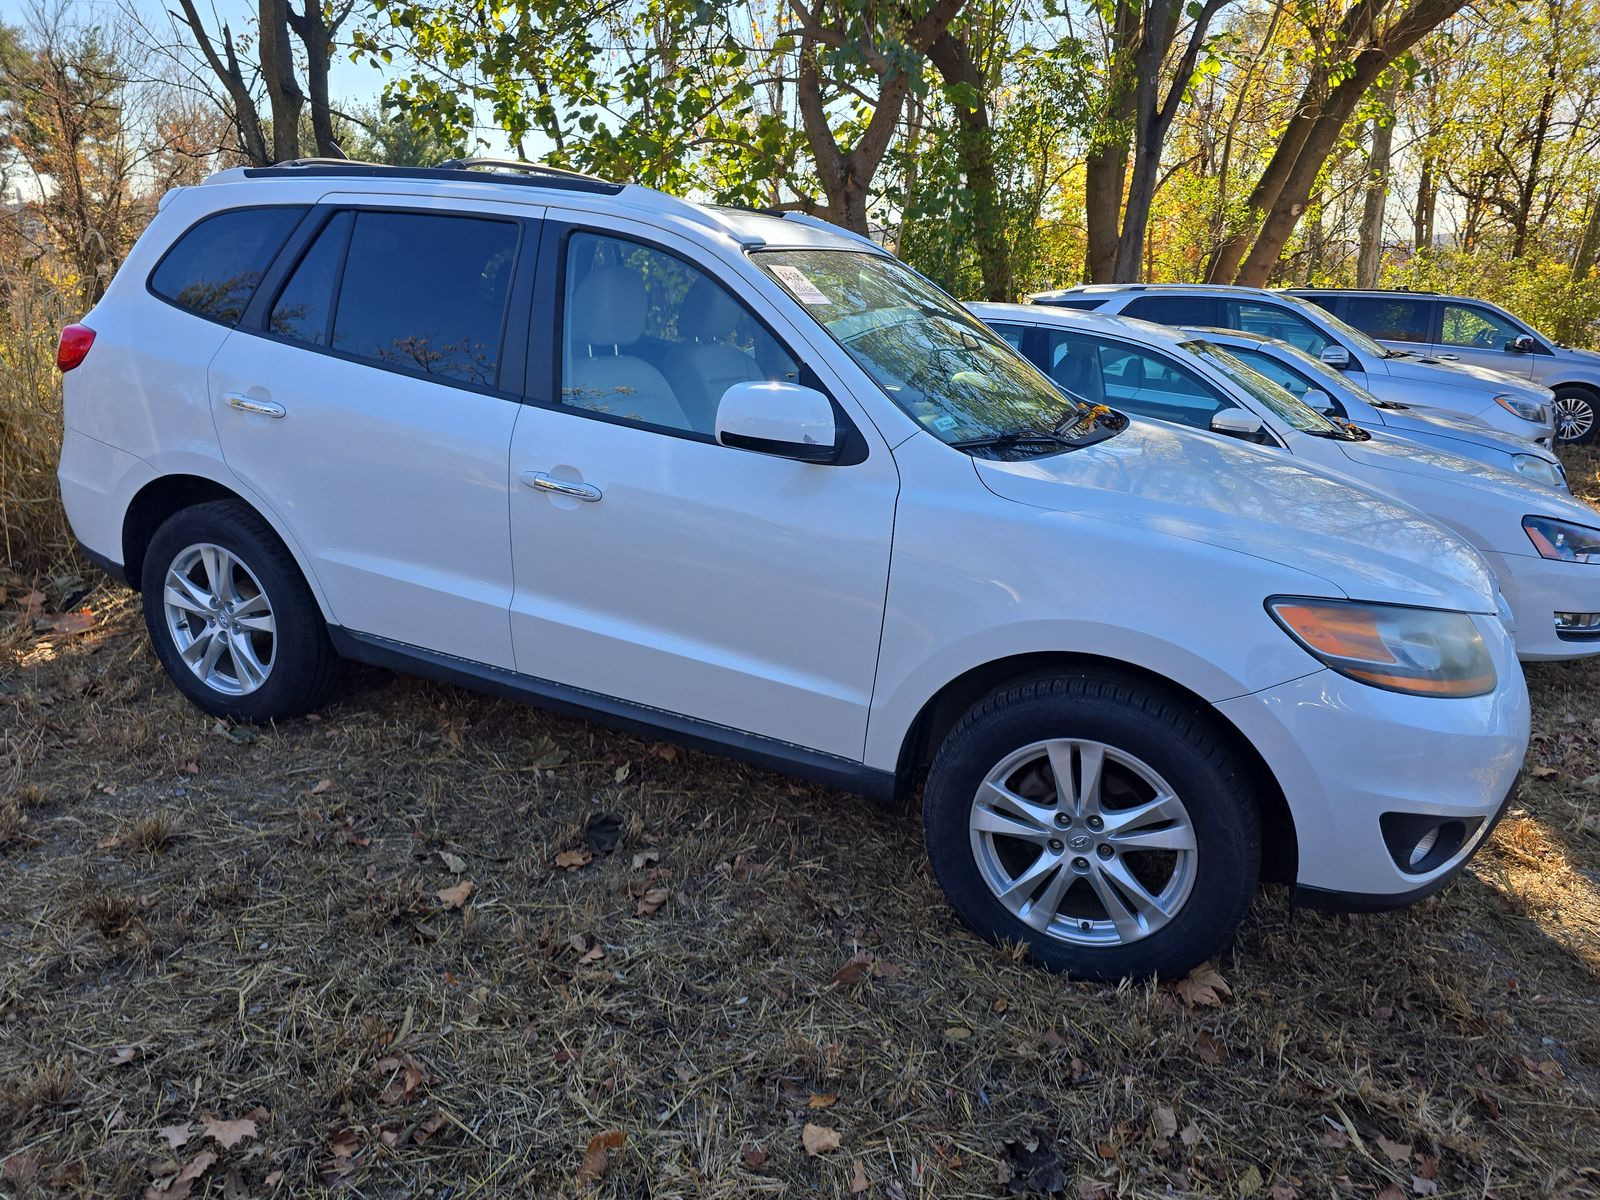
{"x": 1377, "y": 190}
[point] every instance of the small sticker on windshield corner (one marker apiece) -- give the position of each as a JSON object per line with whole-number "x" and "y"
{"x": 944, "y": 424}
{"x": 796, "y": 281}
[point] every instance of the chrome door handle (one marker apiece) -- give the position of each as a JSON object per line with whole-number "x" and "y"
{"x": 562, "y": 487}
{"x": 265, "y": 408}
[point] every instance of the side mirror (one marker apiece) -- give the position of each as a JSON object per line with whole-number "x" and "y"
{"x": 1522, "y": 345}
{"x": 1236, "y": 422}
{"x": 1318, "y": 399}
{"x": 781, "y": 419}
{"x": 1336, "y": 356}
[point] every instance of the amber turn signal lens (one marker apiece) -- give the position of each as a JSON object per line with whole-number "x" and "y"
{"x": 1420, "y": 651}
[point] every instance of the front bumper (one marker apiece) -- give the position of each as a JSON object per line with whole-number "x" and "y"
{"x": 1538, "y": 588}
{"x": 1345, "y": 754}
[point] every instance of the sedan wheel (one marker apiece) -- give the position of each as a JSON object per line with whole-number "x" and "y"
{"x": 220, "y": 619}
{"x": 1575, "y": 417}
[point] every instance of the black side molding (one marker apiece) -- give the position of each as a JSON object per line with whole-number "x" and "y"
{"x": 110, "y": 566}
{"x": 771, "y": 753}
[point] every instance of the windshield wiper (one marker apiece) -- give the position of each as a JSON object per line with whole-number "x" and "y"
{"x": 1011, "y": 438}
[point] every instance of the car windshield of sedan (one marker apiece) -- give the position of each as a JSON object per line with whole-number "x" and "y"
{"x": 1282, "y": 402}
{"x": 949, "y": 372}
{"x": 1336, "y": 381}
{"x": 1348, "y": 332}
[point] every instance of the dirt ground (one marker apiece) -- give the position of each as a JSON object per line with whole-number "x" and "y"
{"x": 375, "y": 952}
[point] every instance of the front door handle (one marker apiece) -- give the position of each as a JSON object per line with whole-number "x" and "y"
{"x": 563, "y": 487}
{"x": 265, "y": 408}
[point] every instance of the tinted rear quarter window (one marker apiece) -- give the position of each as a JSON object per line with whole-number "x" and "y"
{"x": 426, "y": 294}
{"x": 1391, "y": 319}
{"x": 1084, "y": 303}
{"x": 305, "y": 304}
{"x": 213, "y": 269}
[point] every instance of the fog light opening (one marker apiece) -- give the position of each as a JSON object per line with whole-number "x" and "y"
{"x": 1425, "y": 844}
{"x": 1420, "y": 843}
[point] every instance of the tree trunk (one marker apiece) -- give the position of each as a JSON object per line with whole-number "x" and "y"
{"x": 1530, "y": 185}
{"x": 246, "y": 118}
{"x": 1106, "y": 167}
{"x": 975, "y": 151}
{"x": 314, "y": 33}
{"x": 1370, "y": 256}
{"x": 1589, "y": 247}
{"x": 1427, "y": 195}
{"x": 277, "y": 69}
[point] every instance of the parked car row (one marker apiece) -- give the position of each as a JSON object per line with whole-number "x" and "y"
{"x": 1142, "y": 626}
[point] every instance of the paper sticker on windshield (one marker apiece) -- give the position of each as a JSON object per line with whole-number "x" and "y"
{"x": 795, "y": 280}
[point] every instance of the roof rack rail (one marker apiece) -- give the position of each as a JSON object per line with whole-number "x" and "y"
{"x": 518, "y": 164}
{"x": 512, "y": 171}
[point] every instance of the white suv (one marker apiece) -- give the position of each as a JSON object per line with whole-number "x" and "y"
{"x": 751, "y": 483}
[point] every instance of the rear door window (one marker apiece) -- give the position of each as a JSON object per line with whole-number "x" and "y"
{"x": 1173, "y": 310}
{"x": 1391, "y": 319}
{"x": 426, "y": 294}
{"x": 1469, "y": 326}
{"x": 215, "y": 267}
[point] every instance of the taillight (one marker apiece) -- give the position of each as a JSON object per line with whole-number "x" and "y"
{"x": 73, "y": 347}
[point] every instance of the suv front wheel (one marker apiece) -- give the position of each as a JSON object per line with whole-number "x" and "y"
{"x": 231, "y": 617}
{"x": 1096, "y": 821}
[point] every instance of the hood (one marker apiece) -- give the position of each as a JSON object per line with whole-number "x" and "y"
{"x": 1398, "y": 453}
{"x": 1441, "y": 424}
{"x": 1215, "y": 490}
{"x": 1589, "y": 358}
{"x": 1462, "y": 374}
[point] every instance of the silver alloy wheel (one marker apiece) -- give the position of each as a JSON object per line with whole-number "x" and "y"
{"x": 220, "y": 619}
{"x": 1574, "y": 418}
{"x": 1083, "y": 842}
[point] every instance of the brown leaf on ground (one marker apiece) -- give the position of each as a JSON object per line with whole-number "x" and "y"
{"x": 344, "y": 1143}
{"x": 666, "y": 751}
{"x": 1210, "y": 1051}
{"x": 652, "y": 901}
{"x": 858, "y": 1179}
{"x": 1424, "y": 1187}
{"x": 753, "y": 1156}
{"x": 428, "y": 1128}
{"x": 176, "y": 1135}
{"x": 1203, "y": 987}
{"x": 574, "y": 860}
{"x": 176, "y": 1187}
{"x": 597, "y": 1156}
{"x": 822, "y": 1100}
{"x": 819, "y": 1139}
{"x": 21, "y": 1167}
{"x": 228, "y": 1134}
{"x": 1190, "y": 1135}
{"x": 856, "y": 968}
{"x": 1165, "y": 1122}
{"x": 1395, "y": 1152}
{"x": 457, "y": 896}
{"x": 405, "y": 1076}
{"x": 453, "y": 863}
{"x": 73, "y": 622}
{"x": 646, "y": 858}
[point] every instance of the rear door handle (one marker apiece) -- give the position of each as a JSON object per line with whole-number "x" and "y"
{"x": 265, "y": 408}
{"x": 544, "y": 482}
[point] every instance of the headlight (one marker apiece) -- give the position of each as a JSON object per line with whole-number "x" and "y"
{"x": 1420, "y": 651}
{"x": 1526, "y": 409}
{"x": 1539, "y": 470}
{"x": 1562, "y": 539}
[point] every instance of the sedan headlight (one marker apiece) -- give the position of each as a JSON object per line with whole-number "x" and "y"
{"x": 1420, "y": 651}
{"x": 1526, "y": 409}
{"x": 1539, "y": 470}
{"x": 1562, "y": 539}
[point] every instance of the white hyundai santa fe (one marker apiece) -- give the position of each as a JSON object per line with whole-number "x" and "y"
{"x": 756, "y": 486}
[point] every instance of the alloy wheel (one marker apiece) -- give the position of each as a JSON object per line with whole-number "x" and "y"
{"x": 1083, "y": 842}
{"x": 220, "y": 619}
{"x": 1574, "y": 418}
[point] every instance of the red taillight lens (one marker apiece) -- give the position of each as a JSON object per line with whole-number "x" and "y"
{"x": 73, "y": 347}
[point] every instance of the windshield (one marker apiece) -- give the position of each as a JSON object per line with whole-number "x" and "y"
{"x": 1335, "y": 381}
{"x": 1252, "y": 382}
{"x": 953, "y": 375}
{"x": 1349, "y": 333}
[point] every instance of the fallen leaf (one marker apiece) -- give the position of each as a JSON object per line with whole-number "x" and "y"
{"x": 666, "y": 751}
{"x": 1203, "y": 987}
{"x": 349, "y": 838}
{"x": 1250, "y": 1182}
{"x": 819, "y": 1139}
{"x": 1395, "y": 1152}
{"x": 177, "y": 1187}
{"x": 573, "y": 860}
{"x": 273, "y": 1178}
{"x": 1190, "y": 1135}
{"x": 753, "y": 1156}
{"x": 646, "y": 858}
{"x": 1210, "y": 1051}
{"x": 855, "y": 969}
{"x": 123, "y": 1055}
{"x": 428, "y": 1128}
{"x": 228, "y": 1134}
{"x": 405, "y": 1076}
{"x": 320, "y": 786}
{"x": 1284, "y": 1190}
{"x": 1543, "y": 772}
{"x": 75, "y": 622}
{"x": 597, "y": 1156}
{"x": 344, "y": 1143}
{"x": 176, "y": 1135}
{"x": 957, "y": 1034}
{"x": 1165, "y": 1122}
{"x": 453, "y": 863}
{"x": 822, "y": 1100}
{"x": 623, "y": 772}
{"x": 455, "y": 897}
{"x": 21, "y": 1167}
{"x": 858, "y": 1179}
{"x": 652, "y": 901}
{"x": 1424, "y": 1187}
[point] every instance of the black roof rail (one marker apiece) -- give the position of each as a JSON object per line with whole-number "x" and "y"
{"x": 509, "y": 171}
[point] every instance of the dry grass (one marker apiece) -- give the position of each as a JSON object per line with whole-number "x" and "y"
{"x": 207, "y": 921}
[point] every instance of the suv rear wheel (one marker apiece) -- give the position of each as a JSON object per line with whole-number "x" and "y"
{"x": 1096, "y": 821}
{"x": 231, "y": 617}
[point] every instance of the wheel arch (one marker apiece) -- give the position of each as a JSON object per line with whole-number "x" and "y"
{"x": 1279, "y": 844}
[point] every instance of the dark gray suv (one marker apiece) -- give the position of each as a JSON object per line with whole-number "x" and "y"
{"x": 1480, "y": 333}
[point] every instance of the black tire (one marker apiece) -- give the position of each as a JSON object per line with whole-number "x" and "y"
{"x": 1178, "y": 741}
{"x": 1582, "y": 405}
{"x": 303, "y": 664}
